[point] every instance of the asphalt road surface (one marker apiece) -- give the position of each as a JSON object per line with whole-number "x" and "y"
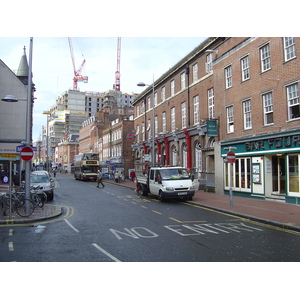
{"x": 114, "y": 224}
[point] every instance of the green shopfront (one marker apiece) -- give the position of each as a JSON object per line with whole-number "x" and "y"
{"x": 265, "y": 167}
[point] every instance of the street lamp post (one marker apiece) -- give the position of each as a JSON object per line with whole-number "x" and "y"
{"x": 47, "y": 139}
{"x": 153, "y": 121}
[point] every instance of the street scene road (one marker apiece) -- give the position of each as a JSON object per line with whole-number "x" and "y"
{"x": 114, "y": 224}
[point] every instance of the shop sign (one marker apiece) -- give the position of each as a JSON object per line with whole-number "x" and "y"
{"x": 283, "y": 142}
{"x": 264, "y": 145}
{"x": 212, "y": 128}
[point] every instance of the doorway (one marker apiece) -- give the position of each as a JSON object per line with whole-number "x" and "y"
{"x": 278, "y": 174}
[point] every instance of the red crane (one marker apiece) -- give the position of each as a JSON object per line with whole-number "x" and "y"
{"x": 117, "y": 74}
{"x": 77, "y": 73}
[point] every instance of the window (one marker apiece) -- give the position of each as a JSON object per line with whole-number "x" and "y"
{"x": 195, "y": 72}
{"x": 143, "y": 107}
{"x": 230, "y": 123}
{"x": 143, "y": 131}
{"x": 247, "y": 114}
{"x": 293, "y": 101}
{"x": 228, "y": 77}
{"x": 289, "y": 48}
{"x": 209, "y": 63}
{"x": 137, "y": 110}
{"x": 149, "y": 128}
{"x": 172, "y": 88}
{"x": 241, "y": 180}
{"x": 211, "y": 104}
{"x": 245, "y": 68}
{"x": 155, "y": 126}
{"x": 148, "y": 103}
{"x": 163, "y": 121}
{"x": 183, "y": 114}
{"x": 196, "y": 110}
{"x": 265, "y": 58}
{"x": 155, "y": 98}
{"x": 182, "y": 77}
{"x": 268, "y": 108}
{"x": 163, "y": 93}
{"x": 173, "y": 119}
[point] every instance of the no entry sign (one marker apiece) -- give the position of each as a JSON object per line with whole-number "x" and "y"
{"x": 231, "y": 157}
{"x": 26, "y": 153}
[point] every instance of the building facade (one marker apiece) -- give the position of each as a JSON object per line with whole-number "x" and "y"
{"x": 13, "y": 115}
{"x": 237, "y": 94}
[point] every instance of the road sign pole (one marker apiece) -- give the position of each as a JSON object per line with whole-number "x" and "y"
{"x": 231, "y": 159}
{"x": 230, "y": 185}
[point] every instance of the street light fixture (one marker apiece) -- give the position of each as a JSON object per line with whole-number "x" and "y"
{"x": 153, "y": 121}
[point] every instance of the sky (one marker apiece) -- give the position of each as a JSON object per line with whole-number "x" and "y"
{"x": 141, "y": 60}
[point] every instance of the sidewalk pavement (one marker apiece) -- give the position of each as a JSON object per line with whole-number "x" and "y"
{"x": 273, "y": 212}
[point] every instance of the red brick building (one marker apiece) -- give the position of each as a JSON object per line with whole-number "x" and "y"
{"x": 228, "y": 92}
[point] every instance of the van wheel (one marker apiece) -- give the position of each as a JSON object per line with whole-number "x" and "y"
{"x": 161, "y": 196}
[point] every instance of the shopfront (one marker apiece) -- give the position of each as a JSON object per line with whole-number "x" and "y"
{"x": 266, "y": 167}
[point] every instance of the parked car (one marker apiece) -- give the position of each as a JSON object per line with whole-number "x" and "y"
{"x": 44, "y": 181}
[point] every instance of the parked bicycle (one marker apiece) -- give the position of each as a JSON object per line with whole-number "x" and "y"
{"x": 23, "y": 207}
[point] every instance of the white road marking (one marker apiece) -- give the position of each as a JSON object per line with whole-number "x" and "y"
{"x": 10, "y": 232}
{"x": 11, "y": 246}
{"x": 75, "y": 229}
{"x": 106, "y": 253}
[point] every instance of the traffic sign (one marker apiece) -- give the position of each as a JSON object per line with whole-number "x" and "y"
{"x": 26, "y": 153}
{"x": 231, "y": 157}
{"x": 130, "y": 136}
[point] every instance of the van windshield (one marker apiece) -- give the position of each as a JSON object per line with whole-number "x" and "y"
{"x": 174, "y": 174}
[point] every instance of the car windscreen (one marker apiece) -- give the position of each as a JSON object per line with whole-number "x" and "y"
{"x": 39, "y": 179}
{"x": 174, "y": 174}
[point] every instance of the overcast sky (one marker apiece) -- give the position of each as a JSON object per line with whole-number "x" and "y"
{"x": 141, "y": 59}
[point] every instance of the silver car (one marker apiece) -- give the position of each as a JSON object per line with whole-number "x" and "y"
{"x": 44, "y": 181}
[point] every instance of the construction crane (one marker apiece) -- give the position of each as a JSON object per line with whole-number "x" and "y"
{"x": 117, "y": 74}
{"x": 77, "y": 73}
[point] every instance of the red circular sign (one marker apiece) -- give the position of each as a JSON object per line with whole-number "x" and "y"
{"x": 26, "y": 153}
{"x": 231, "y": 157}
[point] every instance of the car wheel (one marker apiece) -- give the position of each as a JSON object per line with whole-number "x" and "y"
{"x": 161, "y": 196}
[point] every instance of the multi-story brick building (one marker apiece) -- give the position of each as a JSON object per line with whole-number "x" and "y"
{"x": 229, "y": 92}
{"x": 106, "y": 133}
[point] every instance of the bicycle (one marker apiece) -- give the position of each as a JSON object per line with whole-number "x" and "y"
{"x": 38, "y": 197}
{"x": 22, "y": 206}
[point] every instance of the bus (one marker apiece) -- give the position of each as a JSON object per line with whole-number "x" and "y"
{"x": 86, "y": 166}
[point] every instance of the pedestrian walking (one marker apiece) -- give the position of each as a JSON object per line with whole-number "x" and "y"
{"x": 132, "y": 175}
{"x": 117, "y": 177}
{"x": 99, "y": 179}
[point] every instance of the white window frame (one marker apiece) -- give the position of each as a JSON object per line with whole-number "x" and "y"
{"x": 228, "y": 77}
{"x": 155, "y": 99}
{"x": 265, "y": 58}
{"x": 245, "y": 68}
{"x": 155, "y": 125}
{"x": 230, "y": 119}
{"x": 247, "y": 114}
{"x": 173, "y": 119}
{"x": 163, "y": 93}
{"x": 211, "y": 103}
{"x": 183, "y": 114}
{"x": 172, "y": 85}
{"x": 196, "y": 110}
{"x": 182, "y": 80}
{"x": 208, "y": 64}
{"x": 289, "y": 48}
{"x": 268, "y": 108}
{"x": 293, "y": 101}
{"x": 195, "y": 72}
{"x": 164, "y": 121}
